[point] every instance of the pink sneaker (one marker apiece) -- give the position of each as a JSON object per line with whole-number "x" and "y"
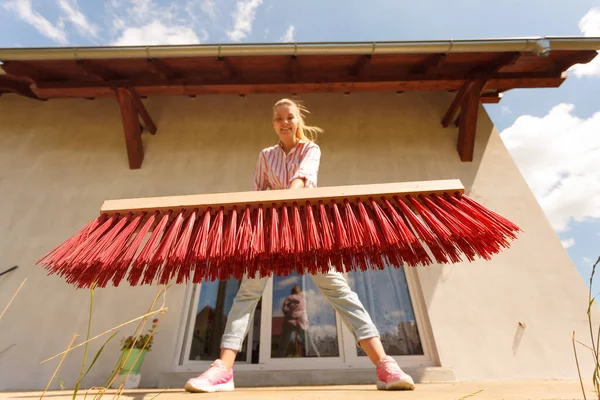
{"x": 217, "y": 378}
{"x": 391, "y": 377}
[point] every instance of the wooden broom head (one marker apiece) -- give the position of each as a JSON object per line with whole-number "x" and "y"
{"x": 260, "y": 233}
{"x": 288, "y": 196}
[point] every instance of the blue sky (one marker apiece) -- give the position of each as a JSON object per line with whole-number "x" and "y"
{"x": 565, "y": 176}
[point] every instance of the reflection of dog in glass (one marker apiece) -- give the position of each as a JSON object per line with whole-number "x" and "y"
{"x": 295, "y": 320}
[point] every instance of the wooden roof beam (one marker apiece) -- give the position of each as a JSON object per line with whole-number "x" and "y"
{"x": 228, "y": 69}
{"x": 360, "y": 68}
{"x": 21, "y": 70}
{"x": 491, "y": 98}
{"x": 294, "y": 69}
{"x": 494, "y": 66}
{"x": 432, "y": 62}
{"x": 96, "y": 71}
{"x": 564, "y": 63}
{"x": 160, "y": 68}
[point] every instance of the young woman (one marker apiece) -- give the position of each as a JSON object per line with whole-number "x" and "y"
{"x": 293, "y": 164}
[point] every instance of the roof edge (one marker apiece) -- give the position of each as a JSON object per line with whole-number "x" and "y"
{"x": 539, "y": 45}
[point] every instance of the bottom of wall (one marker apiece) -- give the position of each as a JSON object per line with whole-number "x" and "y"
{"x": 311, "y": 377}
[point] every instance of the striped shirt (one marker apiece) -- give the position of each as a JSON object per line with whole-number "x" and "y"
{"x": 275, "y": 170}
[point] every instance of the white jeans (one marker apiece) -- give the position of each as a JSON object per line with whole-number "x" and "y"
{"x": 332, "y": 285}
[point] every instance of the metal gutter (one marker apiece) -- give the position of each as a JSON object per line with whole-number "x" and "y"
{"x": 537, "y": 45}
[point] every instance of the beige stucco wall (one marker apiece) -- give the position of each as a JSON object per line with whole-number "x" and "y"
{"x": 60, "y": 159}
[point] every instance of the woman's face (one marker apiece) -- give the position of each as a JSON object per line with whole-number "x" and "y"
{"x": 285, "y": 122}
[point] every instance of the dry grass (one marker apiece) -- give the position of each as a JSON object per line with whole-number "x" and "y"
{"x": 98, "y": 392}
{"x": 595, "y": 346}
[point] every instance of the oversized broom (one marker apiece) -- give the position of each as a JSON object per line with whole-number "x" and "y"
{"x": 218, "y": 236}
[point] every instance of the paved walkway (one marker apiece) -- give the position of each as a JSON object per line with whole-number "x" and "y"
{"x": 536, "y": 390}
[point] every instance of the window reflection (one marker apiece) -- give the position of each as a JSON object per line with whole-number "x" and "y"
{"x": 214, "y": 303}
{"x": 385, "y": 295}
{"x": 303, "y": 321}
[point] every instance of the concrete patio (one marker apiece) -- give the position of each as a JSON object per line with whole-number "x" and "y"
{"x": 530, "y": 390}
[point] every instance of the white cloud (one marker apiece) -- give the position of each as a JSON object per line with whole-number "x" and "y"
{"x": 209, "y": 8}
{"x": 289, "y": 35}
{"x": 559, "y": 155}
{"x": 156, "y": 33}
{"x": 322, "y": 332}
{"x": 589, "y": 25}
{"x": 506, "y": 110}
{"x": 586, "y": 260}
{"x": 568, "y": 243}
{"x": 146, "y": 22}
{"x": 72, "y": 14}
{"x": 243, "y": 18}
{"x": 289, "y": 281}
{"x": 25, "y": 11}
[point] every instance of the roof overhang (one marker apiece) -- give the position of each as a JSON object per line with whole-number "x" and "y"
{"x": 478, "y": 70}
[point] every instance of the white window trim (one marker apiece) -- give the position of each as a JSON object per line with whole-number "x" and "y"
{"x": 348, "y": 357}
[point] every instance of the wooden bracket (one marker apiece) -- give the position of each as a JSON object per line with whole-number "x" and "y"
{"x": 142, "y": 111}
{"x": 467, "y": 123}
{"x": 131, "y": 109}
{"x": 467, "y": 99}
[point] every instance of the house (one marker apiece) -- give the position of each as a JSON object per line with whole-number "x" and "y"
{"x": 82, "y": 125}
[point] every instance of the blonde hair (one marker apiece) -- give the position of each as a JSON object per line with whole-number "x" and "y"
{"x": 304, "y": 132}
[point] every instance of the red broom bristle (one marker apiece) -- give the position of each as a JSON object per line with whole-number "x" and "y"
{"x": 199, "y": 252}
{"x": 355, "y": 238}
{"x": 373, "y": 245}
{"x": 146, "y": 254}
{"x": 109, "y": 258}
{"x": 244, "y": 242}
{"x": 444, "y": 235}
{"x": 423, "y": 231}
{"x": 481, "y": 239}
{"x": 67, "y": 246}
{"x": 258, "y": 246}
{"x": 74, "y": 261}
{"x": 215, "y": 246}
{"x": 286, "y": 243}
{"x": 328, "y": 240}
{"x": 392, "y": 247}
{"x": 229, "y": 244}
{"x": 499, "y": 221}
{"x": 180, "y": 251}
{"x": 414, "y": 254}
{"x": 486, "y": 239}
{"x": 313, "y": 242}
{"x": 461, "y": 235}
{"x": 85, "y": 246}
{"x": 298, "y": 239}
{"x": 92, "y": 266}
{"x": 88, "y": 264}
{"x": 159, "y": 266}
{"x": 341, "y": 243}
{"x": 111, "y": 254}
{"x": 273, "y": 239}
{"x": 130, "y": 250}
